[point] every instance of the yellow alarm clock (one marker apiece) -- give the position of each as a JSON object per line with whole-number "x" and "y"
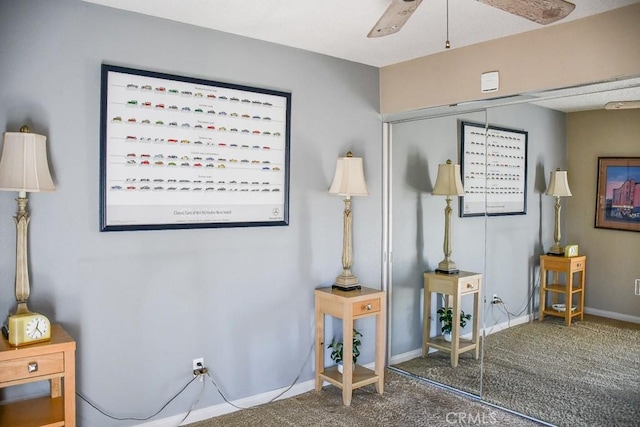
{"x": 28, "y": 328}
{"x": 571, "y": 250}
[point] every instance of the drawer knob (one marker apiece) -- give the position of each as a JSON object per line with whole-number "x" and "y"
{"x": 469, "y": 285}
{"x": 32, "y": 367}
{"x": 579, "y": 265}
{"x": 367, "y": 307}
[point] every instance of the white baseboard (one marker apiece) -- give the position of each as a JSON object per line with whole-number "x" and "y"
{"x": 508, "y": 324}
{"x": 410, "y": 355}
{"x": 225, "y": 408}
{"x": 612, "y": 315}
{"x": 259, "y": 399}
{"x": 247, "y": 402}
{"x": 517, "y": 321}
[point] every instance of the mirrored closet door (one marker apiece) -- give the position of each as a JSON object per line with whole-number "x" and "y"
{"x": 417, "y": 240}
{"x": 543, "y": 369}
{"x": 582, "y": 374}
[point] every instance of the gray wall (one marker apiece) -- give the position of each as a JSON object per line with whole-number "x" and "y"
{"x": 612, "y": 255}
{"x": 142, "y": 305}
{"x": 505, "y": 249}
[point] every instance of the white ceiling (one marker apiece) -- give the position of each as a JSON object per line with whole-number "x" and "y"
{"x": 339, "y": 28}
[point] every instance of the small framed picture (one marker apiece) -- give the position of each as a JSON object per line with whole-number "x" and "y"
{"x": 618, "y": 194}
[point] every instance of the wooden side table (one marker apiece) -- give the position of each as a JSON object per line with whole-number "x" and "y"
{"x": 454, "y": 286}
{"x": 570, "y": 288}
{"x": 350, "y": 305}
{"x": 52, "y": 360}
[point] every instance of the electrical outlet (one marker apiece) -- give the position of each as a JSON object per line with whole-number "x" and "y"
{"x": 198, "y": 363}
{"x": 638, "y": 287}
{"x": 495, "y": 299}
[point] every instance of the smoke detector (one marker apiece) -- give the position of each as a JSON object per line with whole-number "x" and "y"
{"x": 622, "y": 105}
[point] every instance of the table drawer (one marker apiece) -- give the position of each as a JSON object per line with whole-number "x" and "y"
{"x": 557, "y": 263}
{"x": 468, "y": 285}
{"x": 577, "y": 264}
{"x": 367, "y": 306}
{"x": 27, "y": 367}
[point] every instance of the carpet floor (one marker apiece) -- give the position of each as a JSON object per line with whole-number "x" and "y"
{"x": 405, "y": 402}
{"x": 584, "y": 375}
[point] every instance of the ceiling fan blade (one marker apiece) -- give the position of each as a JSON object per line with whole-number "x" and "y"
{"x": 541, "y": 11}
{"x": 396, "y": 15}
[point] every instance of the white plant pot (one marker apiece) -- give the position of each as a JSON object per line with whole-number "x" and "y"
{"x": 341, "y": 367}
{"x": 447, "y": 336}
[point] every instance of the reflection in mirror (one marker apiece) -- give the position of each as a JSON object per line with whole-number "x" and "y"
{"x": 581, "y": 370}
{"x": 582, "y": 374}
{"x": 418, "y": 245}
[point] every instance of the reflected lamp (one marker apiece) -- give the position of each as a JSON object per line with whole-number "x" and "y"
{"x": 448, "y": 183}
{"x": 558, "y": 187}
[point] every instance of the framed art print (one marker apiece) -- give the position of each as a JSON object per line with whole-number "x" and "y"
{"x": 182, "y": 152}
{"x": 494, "y": 170}
{"x": 618, "y": 193}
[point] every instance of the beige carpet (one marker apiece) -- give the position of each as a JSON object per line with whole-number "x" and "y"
{"x": 405, "y": 402}
{"x": 584, "y": 375}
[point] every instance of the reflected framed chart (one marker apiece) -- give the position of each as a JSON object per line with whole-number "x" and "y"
{"x": 184, "y": 152}
{"x": 494, "y": 170}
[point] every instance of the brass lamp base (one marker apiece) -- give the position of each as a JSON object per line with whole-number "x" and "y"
{"x": 346, "y": 282}
{"x": 447, "y": 267}
{"x": 556, "y": 251}
{"x": 346, "y": 288}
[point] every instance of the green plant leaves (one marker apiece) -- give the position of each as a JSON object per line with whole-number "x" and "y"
{"x": 446, "y": 317}
{"x": 337, "y": 346}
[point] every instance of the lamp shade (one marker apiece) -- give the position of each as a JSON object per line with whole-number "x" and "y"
{"x": 558, "y": 184}
{"x": 349, "y": 177}
{"x": 24, "y": 165}
{"x": 448, "y": 182}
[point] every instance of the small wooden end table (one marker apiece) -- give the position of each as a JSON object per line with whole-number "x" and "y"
{"x": 53, "y": 360}
{"x": 569, "y": 266}
{"x": 454, "y": 286}
{"x": 350, "y": 305}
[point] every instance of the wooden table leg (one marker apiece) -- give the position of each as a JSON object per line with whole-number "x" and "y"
{"x": 319, "y": 345}
{"x": 347, "y": 358}
{"x": 70, "y": 388}
{"x": 568, "y": 299}
{"x": 56, "y": 387}
{"x": 426, "y": 322}
{"x": 581, "y": 308}
{"x": 455, "y": 332}
{"x": 543, "y": 293}
{"x": 476, "y": 324}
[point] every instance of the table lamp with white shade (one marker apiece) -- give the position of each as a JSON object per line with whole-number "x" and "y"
{"x": 24, "y": 168}
{"x": 348, "y": 181}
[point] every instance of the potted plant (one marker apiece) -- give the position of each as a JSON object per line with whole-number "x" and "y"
{"x": 337, "y": 347}
{"x": 446, "y": 317}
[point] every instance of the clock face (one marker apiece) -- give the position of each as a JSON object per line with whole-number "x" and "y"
{"x": 37, "y": 327}
{"x": 571, "y": 250}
